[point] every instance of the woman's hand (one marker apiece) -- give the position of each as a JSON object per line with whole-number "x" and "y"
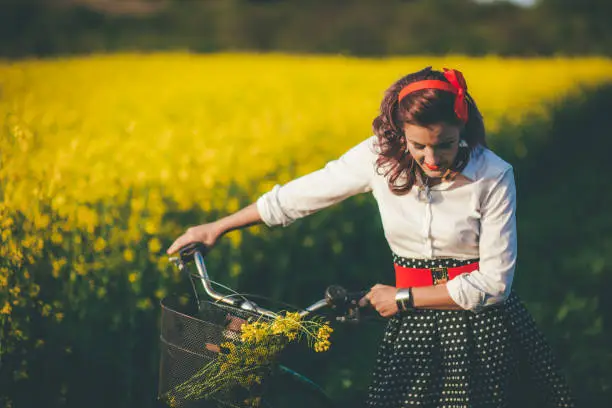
{"x": 207, "y": 234}
{"x": 382, "y": 298}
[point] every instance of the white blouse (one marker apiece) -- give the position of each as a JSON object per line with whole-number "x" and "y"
{"x": 473, "y": 216}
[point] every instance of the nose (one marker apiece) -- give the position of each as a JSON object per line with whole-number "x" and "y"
{"x": 431, "y": 158}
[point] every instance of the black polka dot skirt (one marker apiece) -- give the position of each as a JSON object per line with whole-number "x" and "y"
{"x": 458, "y": 358}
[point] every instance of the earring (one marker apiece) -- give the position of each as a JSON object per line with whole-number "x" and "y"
{"x": 463, "y": 143}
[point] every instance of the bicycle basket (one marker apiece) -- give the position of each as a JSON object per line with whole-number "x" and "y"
{"x": 203, "y": 358}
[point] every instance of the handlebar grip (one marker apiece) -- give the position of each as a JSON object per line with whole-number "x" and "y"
{"x": 357, "y": 295}
{"x": 359, "y": 298}
{"x": 336, "y": 296}
{"x": 187, "y": 252}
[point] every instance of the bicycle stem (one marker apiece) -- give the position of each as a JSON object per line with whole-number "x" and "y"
{"x": 201, "y": 267}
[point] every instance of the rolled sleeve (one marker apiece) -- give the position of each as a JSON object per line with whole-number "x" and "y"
{"x": 339, "y": 179}
{"x": 491, "y": 283}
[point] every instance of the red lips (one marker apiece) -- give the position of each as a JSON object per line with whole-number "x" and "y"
{"x": 432, "y": 167}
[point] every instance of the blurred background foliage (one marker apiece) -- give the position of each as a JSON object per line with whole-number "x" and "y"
{"x": 351, "y": 27}
{"x": 100, "y": 170}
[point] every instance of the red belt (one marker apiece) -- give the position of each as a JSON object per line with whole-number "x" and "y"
{"x": 411, "y": 277}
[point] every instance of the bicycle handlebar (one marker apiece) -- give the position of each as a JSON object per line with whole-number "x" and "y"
{"x": 335, "y": 296}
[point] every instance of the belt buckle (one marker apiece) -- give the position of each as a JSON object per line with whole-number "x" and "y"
{"x": 439, "y": 275}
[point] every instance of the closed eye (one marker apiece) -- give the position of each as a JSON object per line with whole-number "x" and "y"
{"x": 446, "y": 145}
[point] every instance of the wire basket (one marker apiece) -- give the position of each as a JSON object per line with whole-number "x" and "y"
{"x": 193, "y": 340}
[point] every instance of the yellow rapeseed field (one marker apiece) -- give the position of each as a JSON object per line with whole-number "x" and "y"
{"x": 94, "y": 150}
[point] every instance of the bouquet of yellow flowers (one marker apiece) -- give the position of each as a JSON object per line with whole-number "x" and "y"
{"x": 247, "y": 356}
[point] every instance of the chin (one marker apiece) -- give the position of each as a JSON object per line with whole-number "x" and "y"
{"x": 435, "y": 173}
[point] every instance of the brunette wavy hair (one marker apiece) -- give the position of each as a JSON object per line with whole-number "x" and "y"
{"x": 424, "y": 108}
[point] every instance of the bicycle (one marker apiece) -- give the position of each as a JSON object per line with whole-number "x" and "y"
{"x": 186, "y": 326}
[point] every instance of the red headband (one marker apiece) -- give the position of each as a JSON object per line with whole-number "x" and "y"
{"x": 456, "y": 84}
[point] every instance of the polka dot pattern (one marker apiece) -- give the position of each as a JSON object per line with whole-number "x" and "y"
{"x": 431, "y": 263}
{"x": 458, "y": 358}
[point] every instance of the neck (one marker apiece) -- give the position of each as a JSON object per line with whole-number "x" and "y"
{"x": 425, "y": 180}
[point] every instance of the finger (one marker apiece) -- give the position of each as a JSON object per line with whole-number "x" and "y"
{"x": 172, "y": 248}
{"x": 364, "y": 301}
{"x": 178, "y": 244}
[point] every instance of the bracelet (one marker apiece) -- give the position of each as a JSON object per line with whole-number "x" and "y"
{"x": 403, "y": 299}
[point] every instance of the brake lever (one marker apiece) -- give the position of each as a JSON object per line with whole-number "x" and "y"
{"x": 177, "y": 262}
{"x": 354, "y": 303}
{"x": 186, "y": 254}
{"x": 352, "y": 316}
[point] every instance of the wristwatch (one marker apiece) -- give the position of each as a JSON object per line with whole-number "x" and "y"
{"x": 403, "y": 299}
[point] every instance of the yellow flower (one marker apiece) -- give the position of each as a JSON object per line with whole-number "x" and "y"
{"x": 57, "y": 265}
{"x": 154, "y": 245}
{"x": 287, "y": 325}
{"x": 80, "y": 268}
{"x": 322, "y": 342}
{"x": 151, "y": 227}
{"x": 321, "y": 346}
{"x": 99, "y": 244}
{"x": 160, "y": 293}
{"x": 34, "y": 290}
{"x": 87, "y": 218}
{"x": 128, "y": 255}
{"x": 42, "y": 221}
{"x": 6, "y": 309}
{"x": 254, "y": 332}
{"x": 324, "y": 332}
{"x": 57, "y": 238}
{"x": 254, "y": 402}
{"x": 144, "y": 304}
{"x": 235, "y": 238}
{"x": 101, "y": 292}
{"x": 172, "y": 402}
{"x": 235, "y": 270}
{"x": 46, "y": 310}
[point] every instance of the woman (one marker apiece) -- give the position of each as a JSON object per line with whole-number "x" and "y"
{"x": 457, "y": 336}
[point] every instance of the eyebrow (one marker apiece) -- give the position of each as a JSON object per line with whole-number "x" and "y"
{"x": 441, "y": 142}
